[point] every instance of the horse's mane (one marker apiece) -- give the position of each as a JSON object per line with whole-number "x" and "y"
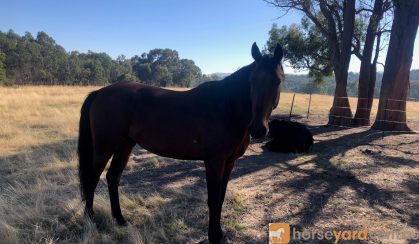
{"x": 241, "y": 74}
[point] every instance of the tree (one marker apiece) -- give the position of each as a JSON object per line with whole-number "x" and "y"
{"x": 163, "y": 67}
{"x": 2, "y": 68}
{"x": 8, "y": 43}
{"x": 391, "y": 114}
{"x": 143, "y": 72}
{"x": 186, "y": 74}
{"x": 368, "y": 69}
{"x": 75, "y": 68}
{"x": 304, "y": 46}
{"x": 161, "y": 75}
{"x": 335, "y": 20}
{"x": 96, "y": 72}
{"x": 123, "y": 69}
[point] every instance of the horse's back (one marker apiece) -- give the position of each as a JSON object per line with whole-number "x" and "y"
{"x": 179, "y": 124}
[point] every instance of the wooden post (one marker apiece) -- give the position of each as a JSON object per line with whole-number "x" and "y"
{"x": 292, "y": 105}
{"x": 385, "y": 116}
{"x": 309, "y": 104}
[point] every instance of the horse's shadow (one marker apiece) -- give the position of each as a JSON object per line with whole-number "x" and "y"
{"x": 326, "y": 179}
{"x": 13, "y": 165}
{"x": 184, "y": 181}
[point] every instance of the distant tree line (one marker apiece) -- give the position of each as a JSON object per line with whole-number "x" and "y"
{"x": 301, "y": 83}
{"x": 40, "y": 60}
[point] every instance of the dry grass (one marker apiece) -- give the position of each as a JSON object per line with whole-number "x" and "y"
{"x": 163, "y": 199}
{"x": 39, "y": 199}
{"x": 38, "y": 115}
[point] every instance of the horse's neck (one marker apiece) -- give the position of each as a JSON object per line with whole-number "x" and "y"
{"x": 237, "y": 88}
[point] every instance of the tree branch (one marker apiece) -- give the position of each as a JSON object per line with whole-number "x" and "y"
{"x": 358, "y": 11}
{"x": 377, "y": 50}
{"x": 332, "y": 35}
{"x": 383, "y": 31}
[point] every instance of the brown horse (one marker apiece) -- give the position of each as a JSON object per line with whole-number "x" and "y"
{"x": 211, "y": 122}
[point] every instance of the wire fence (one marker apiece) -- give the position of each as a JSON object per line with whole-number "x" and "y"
{"x": 315, "y": 106}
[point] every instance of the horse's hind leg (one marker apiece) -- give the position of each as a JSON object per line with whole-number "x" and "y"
{"x": 99, "y": 163}
{"x": 119, "y": 161}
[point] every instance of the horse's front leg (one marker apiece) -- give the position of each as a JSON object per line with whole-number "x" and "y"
{"x": 226, "y": 177}
{"x": 214, "y": 173}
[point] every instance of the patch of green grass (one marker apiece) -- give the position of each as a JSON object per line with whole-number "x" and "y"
{"x": 295, "y": 204}
{"x": 234, "y": 208}
{"x": 232, "y": 224}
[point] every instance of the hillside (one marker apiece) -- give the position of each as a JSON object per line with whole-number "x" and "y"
{"x": 303, "y": 84}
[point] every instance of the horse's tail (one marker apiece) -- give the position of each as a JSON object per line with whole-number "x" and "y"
{"x": 85, "y": 146}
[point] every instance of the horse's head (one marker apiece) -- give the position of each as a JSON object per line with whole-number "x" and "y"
{"x": 264, "y": 89}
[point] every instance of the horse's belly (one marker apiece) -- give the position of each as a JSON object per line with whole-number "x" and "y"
{"x": 175, "y": 141}
{"x": 180, "y": 130}
{"x": 176, "y": 154}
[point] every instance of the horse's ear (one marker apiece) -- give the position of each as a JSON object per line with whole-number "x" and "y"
{"x": 279, "y": 53}
{"x": 257, "y": 56}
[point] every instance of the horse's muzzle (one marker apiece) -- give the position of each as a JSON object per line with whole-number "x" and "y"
{"x": 259, "y": 133}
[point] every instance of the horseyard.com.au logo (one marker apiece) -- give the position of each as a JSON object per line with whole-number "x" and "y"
{"x": 281, "y": 233}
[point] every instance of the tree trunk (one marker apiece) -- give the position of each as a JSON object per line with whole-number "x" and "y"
{"x": 367, "y": 72}
{"x": 340, "y": 112}
{"x": 391, "y": 114}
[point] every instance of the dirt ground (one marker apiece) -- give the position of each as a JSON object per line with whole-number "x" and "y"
{"x": 352, "y": 179}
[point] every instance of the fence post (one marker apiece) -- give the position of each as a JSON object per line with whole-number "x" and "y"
{"x": 384, "y": 116}
{"x": 309, "y": 104}
{"x": 292, "y": 105}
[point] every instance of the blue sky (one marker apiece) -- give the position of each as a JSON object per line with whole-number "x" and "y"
{"x": 216, "y": 34}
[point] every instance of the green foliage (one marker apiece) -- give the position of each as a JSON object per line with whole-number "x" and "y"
{"x": 305, "y": 48}
{"x": 28, "y": 60}
{"x": 2, "y": 68}
{"x": 164, "y": 67}
{"x": 187, "y": 73}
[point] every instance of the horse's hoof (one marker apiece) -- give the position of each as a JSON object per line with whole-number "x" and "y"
{"x": 121, "y": 221}
{"x": 222, "y": 240}
{"x": 225, "y": 239}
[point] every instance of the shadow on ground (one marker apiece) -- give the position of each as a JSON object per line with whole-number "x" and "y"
{"x": 309, "y": 190}
{"x": 184, "y": 183}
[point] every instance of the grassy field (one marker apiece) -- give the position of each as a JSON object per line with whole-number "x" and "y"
{"x": 39, "y": 197}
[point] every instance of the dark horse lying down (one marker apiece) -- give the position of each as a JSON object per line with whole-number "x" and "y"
{"x": 289, "y": 137}
{"x": 211, "y": 122}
